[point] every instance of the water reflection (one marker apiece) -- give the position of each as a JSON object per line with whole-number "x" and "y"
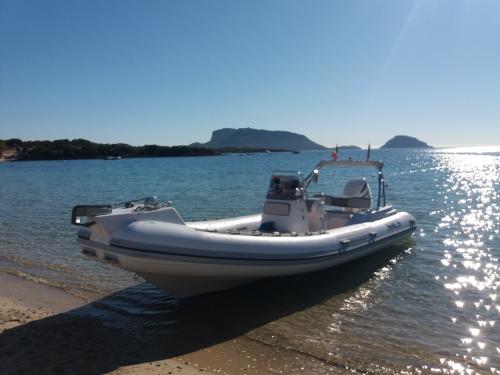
{"x": 470, "y": 256}
{"x": 433, "y": 309}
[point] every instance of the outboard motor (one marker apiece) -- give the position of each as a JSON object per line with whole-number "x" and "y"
{"x": 285, "y": 206}
{"x": 358, "y": 190}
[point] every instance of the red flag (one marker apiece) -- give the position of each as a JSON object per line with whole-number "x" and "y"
{"x": 335, "y": 154}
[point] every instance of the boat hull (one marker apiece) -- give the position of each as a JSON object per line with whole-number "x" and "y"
{"x": 187, "y": 261}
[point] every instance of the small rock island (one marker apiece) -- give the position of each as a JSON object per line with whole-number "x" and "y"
{"x": 404, "y": 141}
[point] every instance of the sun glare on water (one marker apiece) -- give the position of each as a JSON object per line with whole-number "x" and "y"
{"x": 471, "y": 150}
{"x": 471, "y": 197}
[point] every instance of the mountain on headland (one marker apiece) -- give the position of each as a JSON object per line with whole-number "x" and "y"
{"x": 404, "y": 141}
{"x": 259, "y": 138}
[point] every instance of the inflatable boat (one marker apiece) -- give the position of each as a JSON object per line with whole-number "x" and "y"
{"x": 297, "y": 232}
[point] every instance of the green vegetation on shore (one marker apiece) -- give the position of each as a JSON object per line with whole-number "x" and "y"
{"x": 64, "y": 149}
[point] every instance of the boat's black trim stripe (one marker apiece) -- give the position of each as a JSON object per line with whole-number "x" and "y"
{"x": 336, "y": 252}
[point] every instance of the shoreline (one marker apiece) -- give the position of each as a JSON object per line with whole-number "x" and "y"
{"x": 81, "y": 149}
{"x": 37, "y": 329}
{"x": 46, "y": 327}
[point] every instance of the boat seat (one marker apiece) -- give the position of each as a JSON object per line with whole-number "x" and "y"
{"x": 314, "y": 214}
{"x": 356, "y": 195}
{"x": 337, "y": 219}
{"x": 347, "y": 202}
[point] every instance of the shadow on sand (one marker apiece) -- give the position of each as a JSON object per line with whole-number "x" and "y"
{"x": 143, "y": 324}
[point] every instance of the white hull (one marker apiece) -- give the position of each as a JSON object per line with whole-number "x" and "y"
{"x": 187, "y": 261}
{"x": 296, "y": 233}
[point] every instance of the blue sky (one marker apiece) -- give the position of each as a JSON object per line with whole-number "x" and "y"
{"x": 170, "y": 72}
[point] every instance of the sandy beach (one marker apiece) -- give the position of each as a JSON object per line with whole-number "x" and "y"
{"x": 38, "y": 335}
{"x": 46, "y": 330}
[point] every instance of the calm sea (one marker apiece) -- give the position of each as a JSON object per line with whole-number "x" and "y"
{"x": 430, "y": 304}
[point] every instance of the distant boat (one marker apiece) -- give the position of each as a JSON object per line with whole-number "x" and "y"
{"x": 249, "y": 153}
{"x": 268, "y": 152}
{"x": 295, "y": 152}
{"x": 112, "y": 157}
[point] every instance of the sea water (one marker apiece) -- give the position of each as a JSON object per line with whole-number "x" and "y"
{"x": 429, "y": 304}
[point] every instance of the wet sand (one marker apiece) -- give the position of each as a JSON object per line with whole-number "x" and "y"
{"x": 46, "y": 330}
{"x": 38, "y": 335}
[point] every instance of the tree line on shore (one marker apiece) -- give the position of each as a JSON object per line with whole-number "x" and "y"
{"x": 65, "y": 149}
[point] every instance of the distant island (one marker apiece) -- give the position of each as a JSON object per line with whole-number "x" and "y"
{"x": 223, "y": 141}
{"x": 404, "y": 141}
{"x": 259, "y": 138}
